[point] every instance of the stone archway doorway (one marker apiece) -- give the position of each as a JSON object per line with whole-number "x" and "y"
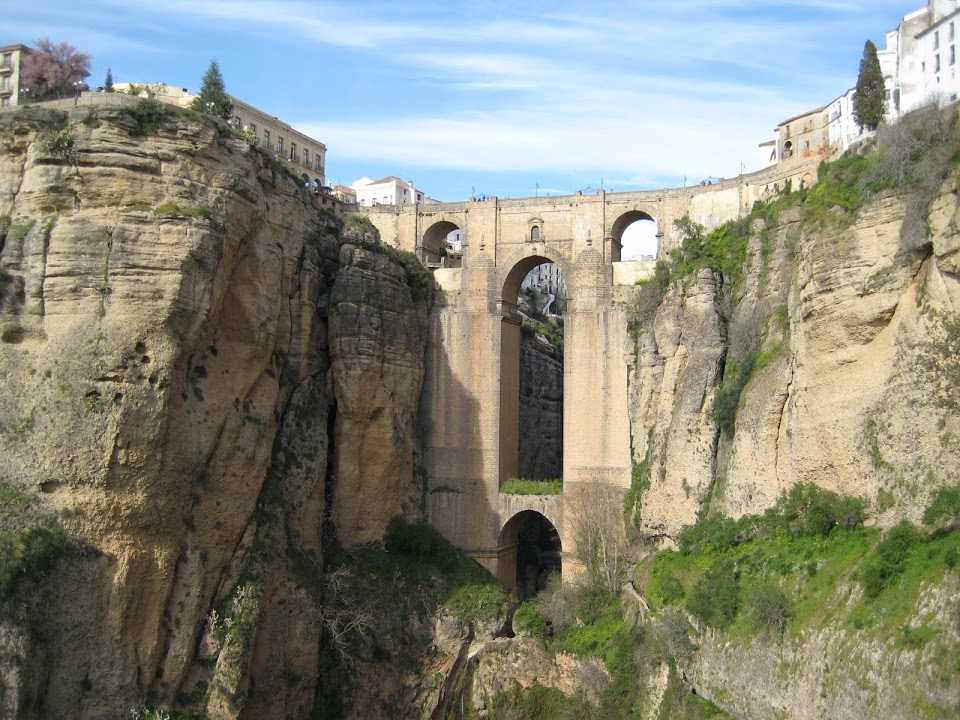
{"x": 528, "y": 552}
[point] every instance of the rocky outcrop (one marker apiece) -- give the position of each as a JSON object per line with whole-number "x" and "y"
{"x": 541, "y": 408}
{"x": 839, "y": 322}
{"x": 835, "y": 673}
{"x": 181, "y": 326}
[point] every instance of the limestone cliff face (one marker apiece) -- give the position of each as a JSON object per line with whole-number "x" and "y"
{"x": 180, "y": 326}
{"x": 841, "y": 323}
{"x": 541, "y": 408}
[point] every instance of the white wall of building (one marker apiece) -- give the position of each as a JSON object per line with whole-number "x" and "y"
{"x": 386, "y": 191}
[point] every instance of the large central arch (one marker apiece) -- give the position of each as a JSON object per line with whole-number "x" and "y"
{"x": 510, "y": 338}
{"x": 528, "y": 550}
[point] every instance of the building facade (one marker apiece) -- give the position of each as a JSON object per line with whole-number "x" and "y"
{"x": 12, "y": 90}
{"x": 920, "y": 61}
{"x": 390, "y": 190}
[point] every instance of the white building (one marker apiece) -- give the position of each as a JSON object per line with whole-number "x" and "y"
{"x": 843, "y": 129}
{"x": 546, "y": 278}
{"x": 920, "y": 60}
{"x": 390, "y": 190}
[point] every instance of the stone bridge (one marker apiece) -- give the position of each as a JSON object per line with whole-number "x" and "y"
{"x": 471, "y": 391}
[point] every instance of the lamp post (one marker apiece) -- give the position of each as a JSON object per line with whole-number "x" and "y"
{"x": 77, "y": 84}
{"x": 24, "y": 94}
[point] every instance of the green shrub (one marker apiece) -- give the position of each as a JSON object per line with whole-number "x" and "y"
{"x": 529, "y": 620}
{"x": 642, "y": 308}
{"x": 666, "y": 586}
{"x": 716, "y": 533}
{"x": 29, "y": 552}
{"x": 767, "y": 605}
{"x": 478, "y": 601}
{"x": 886, "y": 562}
{"x": 521, "y": 486}
{"x": 944, "y": 508}
{"x": 149, "y": 116}
{"x": 419, "y": 278}
{"x": 361, "y": 224}
{"x": 715, "y": 599}
{"x": 414, "y": 538}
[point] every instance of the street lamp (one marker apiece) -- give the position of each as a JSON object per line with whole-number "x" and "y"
{"x": 24, "y": 94}
{"x": 77, "y": 84}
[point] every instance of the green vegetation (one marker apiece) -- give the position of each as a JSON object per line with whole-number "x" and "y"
{"x": 547, "y": 327}
{"x": 419, "y": 277}
{"x": 149, "y": 115}
{"x": 869, "y": 95}
{"x": 793, "y": 568}
{"x": 888, "y": 559}
{"x": 212, "y": 98}
{"x": 30, "y": 539}
{"x": 944, "y": 508}
{"x": 521, "y": 486}
{"x": 361, "y": 224}
{"x": 639, "y": 484}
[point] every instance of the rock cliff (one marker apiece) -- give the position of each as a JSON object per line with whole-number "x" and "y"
{"x": 197, "y": 369}
{"x": 838, "y": 324}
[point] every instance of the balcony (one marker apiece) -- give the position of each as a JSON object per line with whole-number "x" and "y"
{"x": 6, "y": 90}
{"x": 6, "y": 67}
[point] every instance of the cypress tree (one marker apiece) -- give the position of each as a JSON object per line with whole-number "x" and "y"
{"x": 213, "y": 98}
{"x": 108, "y": 82}
{"x": 868, "y": 98}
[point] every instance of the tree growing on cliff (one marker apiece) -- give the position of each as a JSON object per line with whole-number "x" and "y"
{"x": 869, "y": 95}
{"x": 108, "y": 82}
{"x": 54, "y": 68}
{"x": 213, "y": 98}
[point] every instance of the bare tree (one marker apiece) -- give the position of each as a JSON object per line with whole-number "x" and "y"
{"x": 594, "y": 514}
{"x": 55, "y": 67}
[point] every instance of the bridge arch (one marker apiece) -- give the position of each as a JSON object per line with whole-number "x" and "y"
{"x": 434, "y": 240}
{"x": 648, "y": 238}
{"x": 528, "y": 550}
{"x": 510, "y": 342}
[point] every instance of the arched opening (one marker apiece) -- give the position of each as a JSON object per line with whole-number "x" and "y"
{"x": 531, "y": 373}
{"x": 528, "y": 552}
{"x": 636, "y": 236}
{"x": 535, "y": 233}
{"x": 435, "y": 242}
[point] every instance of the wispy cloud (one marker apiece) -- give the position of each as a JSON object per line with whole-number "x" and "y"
{"x": 636, "y": 91}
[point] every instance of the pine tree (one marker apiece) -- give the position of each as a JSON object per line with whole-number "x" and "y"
{"x": 108, "y": 82}
{"x": 213, "y": 99}
{"x": 868, "y": 98}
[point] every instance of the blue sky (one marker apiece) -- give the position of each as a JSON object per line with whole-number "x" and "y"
{"x": 495, "y": 97}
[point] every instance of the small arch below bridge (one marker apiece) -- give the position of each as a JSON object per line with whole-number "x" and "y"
{"x": 528, "y": 552}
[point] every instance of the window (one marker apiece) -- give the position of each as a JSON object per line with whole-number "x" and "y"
{"x": 535, "y": 233}
{"x": 950, "y": 33}
{"x": 953, "y": 55}
{"x": 306, "y": 157}
{"x": 293, "y": 151}
{"x": 8, "y": 60}
{"x": 6, "y": 84}
{"x": 936, "y": 40}
{"x": 253, "y": 128}
{"x": 419, "y": 197}
{"x": 5, "y": 102}
{"x": 936, "y": 63}
{"x": 266, "y": 139}
{"x": 318, "y": 163}
{"x": 279, "y": 145}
